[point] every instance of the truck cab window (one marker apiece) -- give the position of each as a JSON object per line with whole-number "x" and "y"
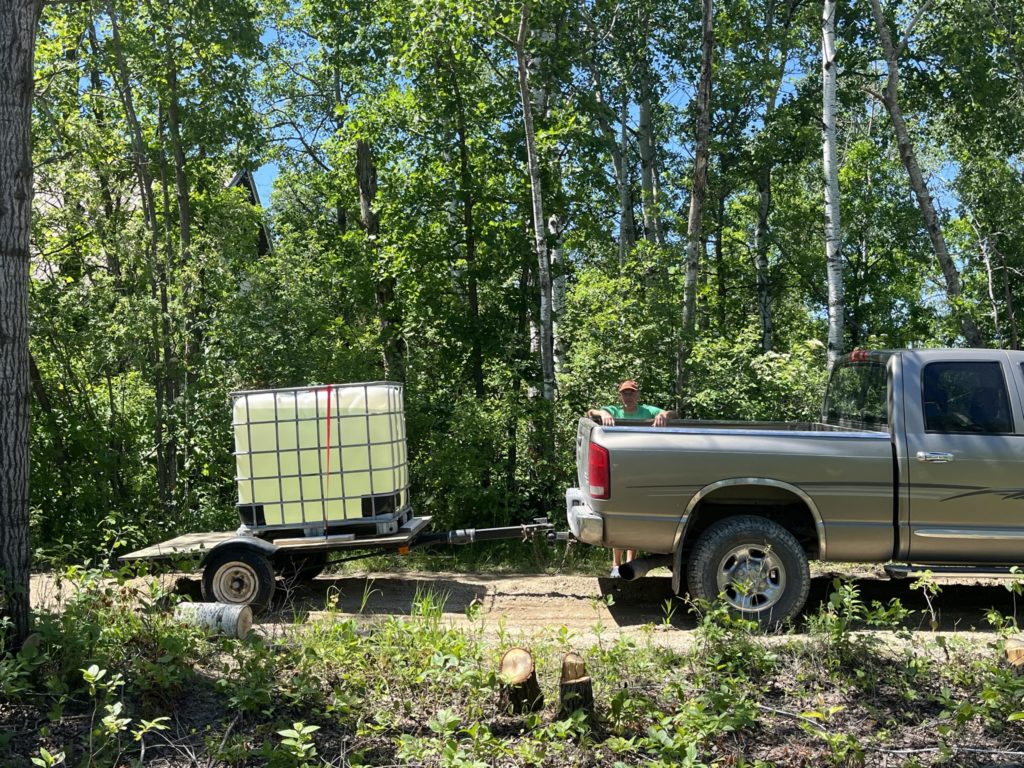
{"x": 858, "y": 396}
{"x": 965, "y": 398}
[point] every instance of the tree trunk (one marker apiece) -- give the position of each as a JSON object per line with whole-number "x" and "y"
{"x": 627, "y": 221}
{"x": 181, "y": 184}
{"x": 764, "y": 172}
{"x": 187, "y": 369}
{"x": 557, "y": 289}
{"x": 890, "y": 97}
{"x": 764, "y": 294}
{"x": 468, "y": 195}
{"x": 833, "y": 231}
{"x": 694, "y": 240}
{"x": 105, "y": 224}
{"x": 991, "y": 285}
{"x": 537, "y": 203}
{"x": 720, "y": 260}
{"x": 648, "y": 191}
{"x": 627, "y": 227}
{"x": 390, "y": 327}
{"x": 1008, "y": 297}
{"x": 157, "y": 277}
{"x": 18, "y": 20}
{"x": 170, "y": 364}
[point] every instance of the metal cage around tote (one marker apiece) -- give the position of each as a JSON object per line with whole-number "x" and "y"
{"x": 322, "y": 459}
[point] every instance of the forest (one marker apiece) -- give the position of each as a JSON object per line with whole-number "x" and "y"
{"x": 507, "y": 207}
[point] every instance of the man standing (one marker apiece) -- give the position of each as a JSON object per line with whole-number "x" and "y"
{"x": 629, "y": 396}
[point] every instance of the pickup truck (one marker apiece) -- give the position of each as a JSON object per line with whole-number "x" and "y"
{"x": 917, "y": 462}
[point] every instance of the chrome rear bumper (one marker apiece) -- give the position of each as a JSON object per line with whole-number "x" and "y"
{"x": 585, "y": 524}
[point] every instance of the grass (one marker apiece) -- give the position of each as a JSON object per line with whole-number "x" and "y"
{"x": 111, "y": 680}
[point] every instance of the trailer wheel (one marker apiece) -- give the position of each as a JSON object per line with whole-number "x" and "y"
{"x": 755, "y": 565}
{"x": 239, "y": 576}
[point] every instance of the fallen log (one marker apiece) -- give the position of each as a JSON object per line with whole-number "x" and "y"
{"x": 216, "y": 618}
{"x": 576, "y": 688}
{"x": 520, "y": 690}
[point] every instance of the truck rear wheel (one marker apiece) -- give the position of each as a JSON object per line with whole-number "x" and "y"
{"x": 755, "y": 565}
{"x": 239, "y": 576}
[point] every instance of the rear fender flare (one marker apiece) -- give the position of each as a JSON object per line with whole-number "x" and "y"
{"x": 266, "y": 548}
{"x": 707, "y": 490}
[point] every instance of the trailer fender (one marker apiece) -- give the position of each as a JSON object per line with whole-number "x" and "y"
{"x": 266, "y": 548}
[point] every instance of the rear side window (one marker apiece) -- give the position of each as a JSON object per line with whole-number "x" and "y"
{"x": 858, "y": 396}
{"x": 965, "y": 398}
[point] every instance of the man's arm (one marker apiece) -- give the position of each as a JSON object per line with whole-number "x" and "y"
{"x": 602, "y": 415}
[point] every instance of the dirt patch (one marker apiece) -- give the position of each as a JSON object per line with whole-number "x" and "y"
{"x": 524, "y": 604}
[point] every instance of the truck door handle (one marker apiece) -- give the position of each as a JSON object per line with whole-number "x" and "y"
{"x": 934, "y": 457}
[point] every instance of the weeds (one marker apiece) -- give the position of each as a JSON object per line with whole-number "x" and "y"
{"x": 417, "y": 690}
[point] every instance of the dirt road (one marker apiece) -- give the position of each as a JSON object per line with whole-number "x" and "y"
{"x": 531, "y": 605}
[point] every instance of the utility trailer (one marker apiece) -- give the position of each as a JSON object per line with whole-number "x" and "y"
{"x": 319, "y": 471}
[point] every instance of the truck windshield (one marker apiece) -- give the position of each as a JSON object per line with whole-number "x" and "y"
{"x": 858, "y": 396}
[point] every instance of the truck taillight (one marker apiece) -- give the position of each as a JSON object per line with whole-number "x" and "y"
{"x": 599, "y": 472}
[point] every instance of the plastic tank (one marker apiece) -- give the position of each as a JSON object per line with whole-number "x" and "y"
{"x": 322, "y": 457}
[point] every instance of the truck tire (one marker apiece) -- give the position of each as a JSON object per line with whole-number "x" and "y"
{"x": 756, "y": 566}
{"x": 238, "y": 575}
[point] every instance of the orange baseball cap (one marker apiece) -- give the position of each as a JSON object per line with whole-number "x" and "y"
{"x": 629, "y": 384}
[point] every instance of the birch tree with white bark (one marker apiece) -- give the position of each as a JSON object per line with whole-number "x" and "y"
{"x": 833, "y": 228}
{"x": 546, "y": 333}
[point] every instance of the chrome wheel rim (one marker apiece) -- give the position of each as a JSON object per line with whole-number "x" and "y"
{"x": 235, "y": 582}
{"x": 752, "y": 578}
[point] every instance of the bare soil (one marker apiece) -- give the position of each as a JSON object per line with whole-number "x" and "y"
{"x": 525, "y": 605}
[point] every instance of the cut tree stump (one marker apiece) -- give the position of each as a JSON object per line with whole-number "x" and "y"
{"x": 1015, "y": 654}
{"x": 520, "y": 691}
{"x": 576, "y": 689}
{"x": 216, "y": 618}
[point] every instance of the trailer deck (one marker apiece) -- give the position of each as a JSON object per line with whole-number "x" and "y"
{"x": 189, "y": 544}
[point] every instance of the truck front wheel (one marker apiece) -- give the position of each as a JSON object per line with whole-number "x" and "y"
{"x": 755, "y": 565}
{"x": 240, "y": 576}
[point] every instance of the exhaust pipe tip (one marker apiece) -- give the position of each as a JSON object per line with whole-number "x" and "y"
{"x": 638, "y": 568}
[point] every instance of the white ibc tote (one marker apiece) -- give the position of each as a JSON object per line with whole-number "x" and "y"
{"x": 321, "y": 458}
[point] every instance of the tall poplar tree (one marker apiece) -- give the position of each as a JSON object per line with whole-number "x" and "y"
{"x": 18, "y": 21}
{"x": 890, "y": 97}
{"x": 698, "y": 190}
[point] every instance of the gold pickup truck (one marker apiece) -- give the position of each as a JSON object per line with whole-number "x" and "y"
{"x": 917, "y": 461}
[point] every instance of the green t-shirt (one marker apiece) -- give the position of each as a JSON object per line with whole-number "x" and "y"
{"x": 642, "y": 412}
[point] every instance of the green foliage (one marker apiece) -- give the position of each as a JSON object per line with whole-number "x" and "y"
{"x": 155, "y": 292}
{"x": 418, "y": 689}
